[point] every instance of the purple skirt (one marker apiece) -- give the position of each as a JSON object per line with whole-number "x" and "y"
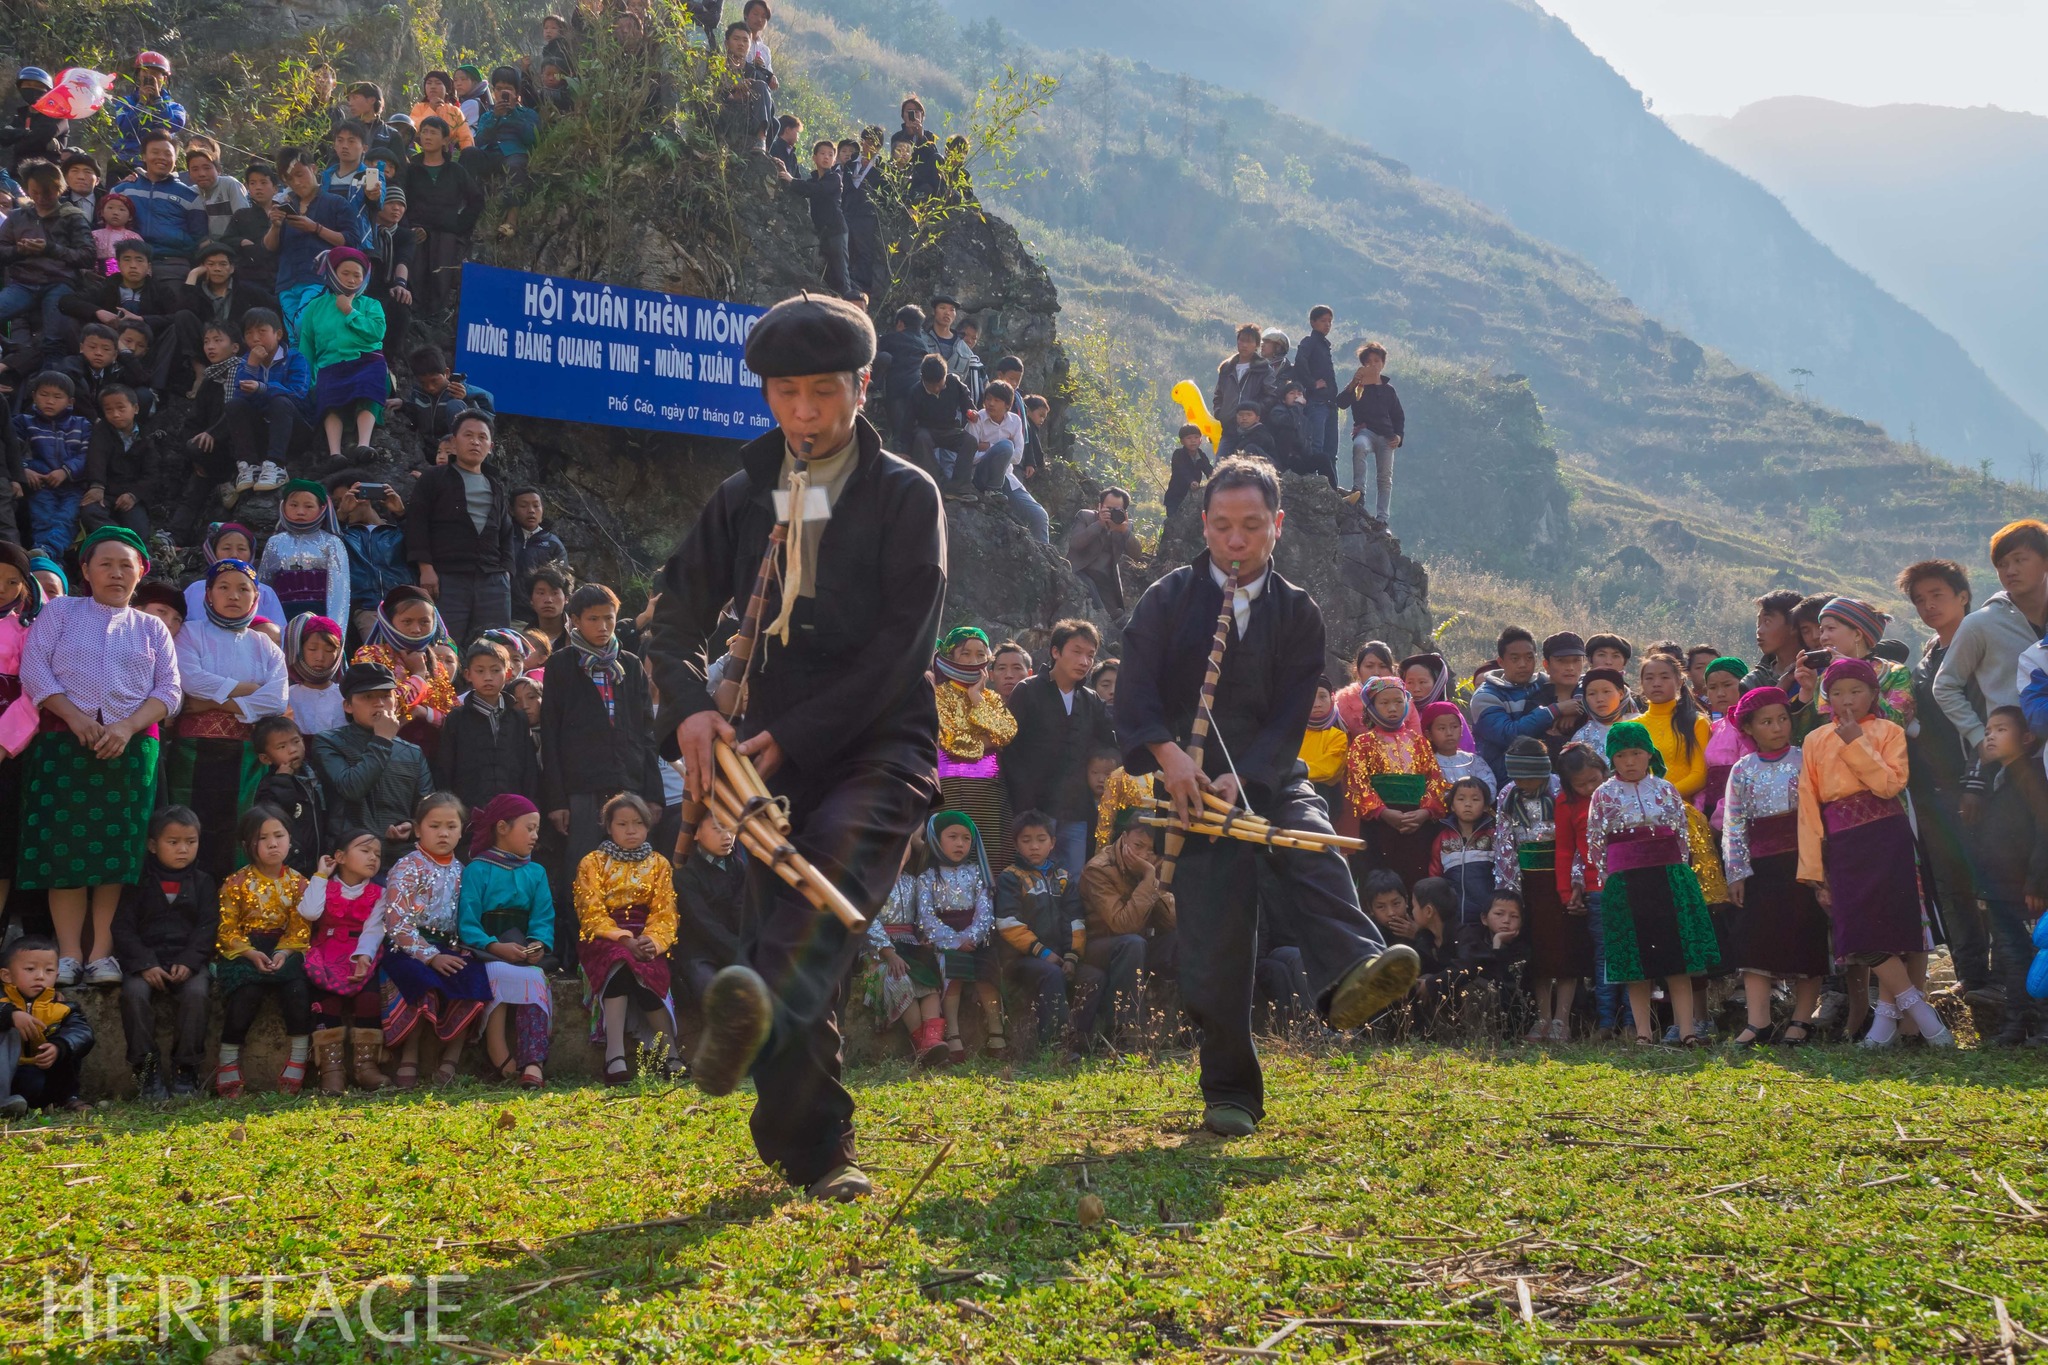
{"x": 366, "y": 379}
{"x": 1873, "y": 879}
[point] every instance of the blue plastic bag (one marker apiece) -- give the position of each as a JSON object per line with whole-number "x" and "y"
{"x": 2037, "y": 975}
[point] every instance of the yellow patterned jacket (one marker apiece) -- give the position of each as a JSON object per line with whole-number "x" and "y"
{"x": 433, "y": 690}
{"x": 251, "y": 903}
{"x": 605, "y": 885}
{"x": 969, "y": 730}
{"x": 1121, "y": 792}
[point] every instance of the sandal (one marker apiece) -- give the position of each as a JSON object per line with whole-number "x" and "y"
{"x": 956, "y": 1051}
{"x": 405, "y": 1075}
{"x": 616, "y": 1071}
{"x": 1752, "y": 1036}
{"x": 995, "y": 1045}
{"x": 531, "y": 1078}
{"x": 227, "y": 1080}
{"x": 1694, "y": 1040}
{"x": 1805, "y": 1027}
{"x": 444, "y": 1074}
{"x": 291, "y": 1078}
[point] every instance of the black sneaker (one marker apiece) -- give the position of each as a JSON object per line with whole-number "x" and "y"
{"x": 149, "y": 1080}
{"x": 185, "y": 1084}
{"x": 738, "y": 1015}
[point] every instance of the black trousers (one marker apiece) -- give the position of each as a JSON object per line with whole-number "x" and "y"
{"x": 92, "y": 516}
{"x": 138, "y": 1018}
{"x": 854, "y": 830}
{"x": 1955, "y": 887}
{"x": 866, "y": 260}
{"x": 1216, "y": 899}
{"x": 924, "y": 443}
{"x": 2012, "y": 953}
{"x": 294, "y": 996}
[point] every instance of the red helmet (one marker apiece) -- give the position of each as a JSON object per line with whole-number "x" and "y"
{"x": 153, "y": 61}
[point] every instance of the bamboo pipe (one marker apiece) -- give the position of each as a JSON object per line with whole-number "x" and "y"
{"x": 1272, "y": 838}
{"x": 782, "y": 856}
{"x": 1257, "y": 824}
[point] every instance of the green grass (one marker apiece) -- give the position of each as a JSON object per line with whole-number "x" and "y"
{"x": 1817, "y": 1205}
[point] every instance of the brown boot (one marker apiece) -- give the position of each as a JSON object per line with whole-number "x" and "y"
{"x": 367, "y": 1044}
{"x": 329, "y": 1058}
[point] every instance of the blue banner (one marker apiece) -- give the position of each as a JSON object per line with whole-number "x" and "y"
{"x": 546, "y": 346}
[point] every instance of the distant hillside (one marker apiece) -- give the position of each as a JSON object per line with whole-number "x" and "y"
{"x": 1686, "y": 484}
{"x": 1946, "y": 208}
{"x": 1501, "y": 101}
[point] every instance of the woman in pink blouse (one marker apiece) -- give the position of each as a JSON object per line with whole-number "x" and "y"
{"x": 103, "y": 675}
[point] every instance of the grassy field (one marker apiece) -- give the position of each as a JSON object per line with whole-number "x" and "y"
{"x": 1399, "y": 1203}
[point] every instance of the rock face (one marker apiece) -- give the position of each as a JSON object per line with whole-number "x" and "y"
{"x": 621, "y": 499}
{"x": 1348, "y": 562}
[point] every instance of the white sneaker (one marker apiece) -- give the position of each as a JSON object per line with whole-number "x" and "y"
{"x": 245, "y": 477}
{"x": 67, "y": 971}
{"x": 103, "y": 971}
{"x": 269, "y": 478}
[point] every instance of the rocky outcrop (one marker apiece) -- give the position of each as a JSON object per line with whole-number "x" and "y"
{"x": 1353, "y": 567}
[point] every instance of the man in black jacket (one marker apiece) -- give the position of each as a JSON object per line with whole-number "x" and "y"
{"x": 1274, "y": 655}
{"x": 838, "y": 714}
{"x": 1317, "y": 372}
{"x": 164, "y": 930}
{"x": 1061, "y": 723}
{"x": 860, "y": 164}
{"x": 220, "y": 294}
{"x": 134, "y": 294}
{"x": 458, "y": 534}
{"x": 1378, "y": 427}
{"x": 936, "y": 412}
{"x": 826, "y": 191}
{"x": 899, "y": 360}
{"x": 595, "y": 734}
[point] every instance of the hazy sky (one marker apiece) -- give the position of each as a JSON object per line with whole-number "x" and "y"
{"x": 1714, "y": 56}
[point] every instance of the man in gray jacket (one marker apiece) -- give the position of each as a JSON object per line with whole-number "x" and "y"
{"x": 1981, "y": 670}
{"x": 1101, "y": 541}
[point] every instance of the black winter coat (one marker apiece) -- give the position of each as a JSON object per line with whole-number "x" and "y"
{"x": 584, "y": 752}
{"x": 304, "y": 802}
{"x": 477, "y": 764}
{"x": 152, "y": 929}
{"x": 1263, "y": 695}
{"x": 849, "y": 688}
{"x": 438, "y": 530}
{"x": 710, "y": 900}
{"x": 1046, "y": 766}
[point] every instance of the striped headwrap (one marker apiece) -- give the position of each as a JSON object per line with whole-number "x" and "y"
{"x": 1859, "y": 615}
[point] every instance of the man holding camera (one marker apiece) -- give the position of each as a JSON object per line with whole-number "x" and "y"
{"x": 1100, "y": 542}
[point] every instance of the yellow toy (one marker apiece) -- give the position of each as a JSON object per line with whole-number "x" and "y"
{"x": 1197, "y": 408}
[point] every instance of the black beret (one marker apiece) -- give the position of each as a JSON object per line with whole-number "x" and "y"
{"x": 807, "y": 335}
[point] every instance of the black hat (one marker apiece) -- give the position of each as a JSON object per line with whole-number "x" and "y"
{"x": 1564, "y": 645}
{"x": 155, "y": 592}
{"x": 360, "y": 678}
{"x": 938, "y": 299}
{"x": 807, "y": 335}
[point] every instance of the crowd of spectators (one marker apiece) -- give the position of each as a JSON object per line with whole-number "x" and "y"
{"x": 392, "y": 765}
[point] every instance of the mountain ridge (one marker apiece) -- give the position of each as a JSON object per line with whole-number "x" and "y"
{"x": 1501, "y": 101}
{"x": 1968, "y": 247}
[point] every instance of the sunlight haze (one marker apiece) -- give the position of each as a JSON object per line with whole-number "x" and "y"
{"x": 1702, "y": 57}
